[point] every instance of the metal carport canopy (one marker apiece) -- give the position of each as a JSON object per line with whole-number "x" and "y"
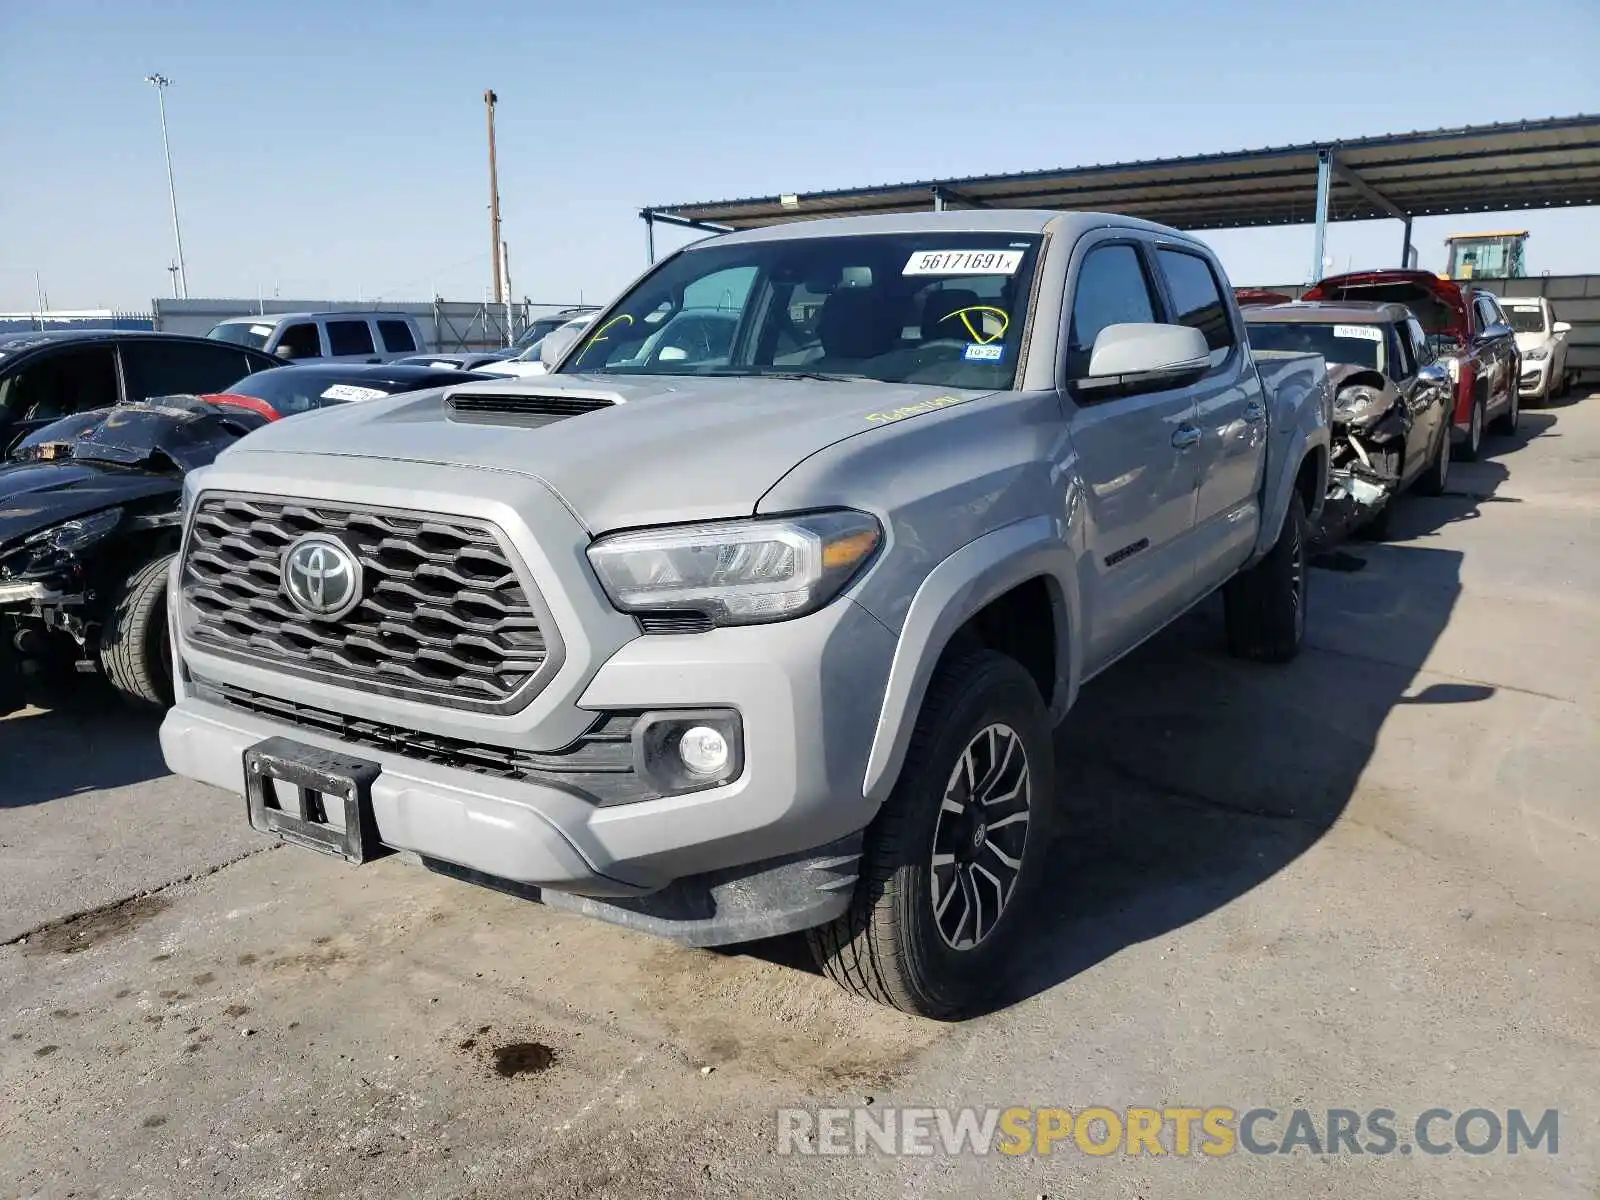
{"x": 1553, "y": 162}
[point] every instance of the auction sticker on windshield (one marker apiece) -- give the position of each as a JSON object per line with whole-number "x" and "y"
{"x": 1361, "y": 333}
{"x": 963, "y": 262}
{"x": 349, "y": 391}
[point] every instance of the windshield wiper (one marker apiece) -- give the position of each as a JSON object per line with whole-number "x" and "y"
{"x": 823, "y": 376}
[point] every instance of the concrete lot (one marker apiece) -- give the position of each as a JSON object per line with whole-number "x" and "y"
{"x": 1371, "y": 879}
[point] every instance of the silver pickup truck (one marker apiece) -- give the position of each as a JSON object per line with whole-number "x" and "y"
{"x": 756, "y": 613}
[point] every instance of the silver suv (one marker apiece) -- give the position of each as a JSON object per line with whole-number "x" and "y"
{"x": 767, "y": 634}
{"x": 367, "y": 337}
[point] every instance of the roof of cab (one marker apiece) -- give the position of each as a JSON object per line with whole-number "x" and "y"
{"x": 1320, "y": 312}
{"x": 274, "y": 318}
{"x": 1000, "y": 220}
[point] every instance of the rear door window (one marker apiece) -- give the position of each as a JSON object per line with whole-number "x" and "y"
{"x": 1112, "y": 289}
{"x": 1197, "y": 299}
{"x": 396, "y": 337}
{"x": 61, "y": 383}
{"x": 156, "y": 368}
{"x": 349, "y": 337}
{"x": 301, "y": 341}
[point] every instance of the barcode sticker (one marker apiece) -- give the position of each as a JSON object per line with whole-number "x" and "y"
{"x": 963, "y": 262}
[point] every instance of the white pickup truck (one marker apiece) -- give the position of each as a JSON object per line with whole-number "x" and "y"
{"x": 767, "y": 633}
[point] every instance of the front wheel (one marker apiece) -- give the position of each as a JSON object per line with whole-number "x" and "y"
{"x": 1265, "y": 606}
{"x": 134, "y": 648}
{"x": 1472, "y": 447}
{"x": 950, "y": 860}
{"x": 1506, "y": 423}
{"x": 1437, "y": 476}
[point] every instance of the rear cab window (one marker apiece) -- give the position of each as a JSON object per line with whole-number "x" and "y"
{"x": 396, "y": 337}
{"x": 1197, "y": 300}
{"x": 349, "y": 337}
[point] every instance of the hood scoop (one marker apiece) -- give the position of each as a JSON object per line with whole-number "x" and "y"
{"x": 530, "y": 408}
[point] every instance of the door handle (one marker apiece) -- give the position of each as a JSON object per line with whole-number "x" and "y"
{"x": 1254, "y": 412}
{"x": 1185, "y": 436}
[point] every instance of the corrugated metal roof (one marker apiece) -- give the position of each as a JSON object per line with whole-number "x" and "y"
{"x": 1486, "y": 168}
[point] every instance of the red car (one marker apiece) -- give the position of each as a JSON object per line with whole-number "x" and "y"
{"x": 1245, "y": 296}
{"x": 1468, "y": 332}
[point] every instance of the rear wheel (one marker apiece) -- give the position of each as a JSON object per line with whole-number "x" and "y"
{"x": 949, "y": 862}
{"x": 1265, "y": 606}
{"x": 134, "y": 649}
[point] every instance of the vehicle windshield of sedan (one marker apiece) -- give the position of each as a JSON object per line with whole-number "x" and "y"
{"x": 1351, "y": 345}
{"x": 946, "y": 309}
{"x": 1525, "y": 320}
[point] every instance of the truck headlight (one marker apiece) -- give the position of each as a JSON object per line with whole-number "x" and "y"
{"x": 1357, "y": 403}
{"x": 1537, "y": 354}
{"x": 737, "y": 572}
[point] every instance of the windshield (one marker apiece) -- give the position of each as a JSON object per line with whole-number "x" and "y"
{"x": 293, "y": 390}
{"x": 946, "y": 309}
{"x": 536, "y": 329}
{"x": 1351, "y": 345}
{"x": 242, "y": 333}
{"x": 1525, "y": 320}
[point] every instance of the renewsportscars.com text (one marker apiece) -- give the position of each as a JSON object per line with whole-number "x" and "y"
{"x": 1214, "y": 1131}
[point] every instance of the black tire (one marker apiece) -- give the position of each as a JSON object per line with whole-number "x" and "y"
{"x": 1265, "y": 606}
{"x": 1506, "y": 423}
{"x": 891, "y": 945}
{"x": 1471, "y": 448}
{"x": 1437, "y": 477}
{"x": 133, "y": 641}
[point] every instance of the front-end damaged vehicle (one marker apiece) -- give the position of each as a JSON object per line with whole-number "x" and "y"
{"x": 89, "y": 524}
{"x": 1391, "y": 404}
{"x": 768, "y": 633}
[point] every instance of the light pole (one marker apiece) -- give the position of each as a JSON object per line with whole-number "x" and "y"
{"x": 160, "y": 82}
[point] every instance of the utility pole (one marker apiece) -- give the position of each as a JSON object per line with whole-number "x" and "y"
{"x": 489, "y": 101}
{"x": 505, "y": 275}
{"x": 160, "y": 83}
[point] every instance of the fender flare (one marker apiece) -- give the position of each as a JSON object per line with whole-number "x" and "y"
{"x": 1275, "y": 501}
{"x": 978, "y": 573}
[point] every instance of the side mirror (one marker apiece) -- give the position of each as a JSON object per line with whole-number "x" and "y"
{"x": 1497, "y": 330}
{"x": 1561, "y": 327}
{"x": 1434, "y": 373}
{"x": 285, "y": 352}
{"x": 1144, "y": 357}
{"x": 555, "y": 345}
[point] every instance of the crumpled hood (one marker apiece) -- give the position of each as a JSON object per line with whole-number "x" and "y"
{"x": 673, "y": 448}
{"x": 34, "y": 496}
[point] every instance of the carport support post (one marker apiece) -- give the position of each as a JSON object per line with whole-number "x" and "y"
{"x": 1405, "y": 247}
{"x": 938, "y": 199}
{"x": 1324, "y": 186}
{"x": 649, "y": 236}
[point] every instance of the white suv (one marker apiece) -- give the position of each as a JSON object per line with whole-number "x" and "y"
{"x": 336, "y": 336}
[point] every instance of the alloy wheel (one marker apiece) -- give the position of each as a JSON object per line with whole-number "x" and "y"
{"x": 980, "y": 836}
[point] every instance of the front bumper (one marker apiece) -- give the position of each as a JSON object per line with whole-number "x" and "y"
{"x": 1535, "y": 379}
{"x": 805, "y": 754}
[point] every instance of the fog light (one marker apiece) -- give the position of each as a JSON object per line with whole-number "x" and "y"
{"x": 704, "y": 751}
{"x": 689, "y": 749}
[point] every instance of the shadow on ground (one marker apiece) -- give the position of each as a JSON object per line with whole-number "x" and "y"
{"x": 86, "y": 740}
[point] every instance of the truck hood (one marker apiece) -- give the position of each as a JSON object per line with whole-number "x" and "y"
{"x": 668, "y": 448}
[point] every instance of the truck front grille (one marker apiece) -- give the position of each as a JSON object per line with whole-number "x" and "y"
{"x": 444, "y": 615}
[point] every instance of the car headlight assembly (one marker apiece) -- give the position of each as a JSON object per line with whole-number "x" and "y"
{"x": 737, "y": 572}
{"x": 1537, "y": 354}
{"x": 1453, "y": 365}
{"x": 1357, "y": 403}
{"x": 72, "y": 536}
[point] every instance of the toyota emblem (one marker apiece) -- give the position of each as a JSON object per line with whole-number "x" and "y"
{"x": 321, "y": 577}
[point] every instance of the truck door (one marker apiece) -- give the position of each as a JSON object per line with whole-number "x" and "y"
{"x": 1231, "y": 414}
{"x": 1134, "y": 458}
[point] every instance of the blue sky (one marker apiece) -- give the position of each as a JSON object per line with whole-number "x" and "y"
{"x": 332, "y": 149}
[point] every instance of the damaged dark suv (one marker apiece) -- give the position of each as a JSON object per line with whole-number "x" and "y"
{"x": 1391, "y": 418}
